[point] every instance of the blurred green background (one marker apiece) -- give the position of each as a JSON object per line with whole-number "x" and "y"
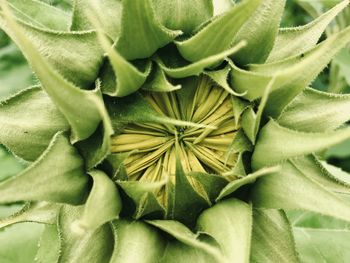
{"x": 318, "y": 238}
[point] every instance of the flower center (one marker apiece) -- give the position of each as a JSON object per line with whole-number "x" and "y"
{"x": 153, "y": 147}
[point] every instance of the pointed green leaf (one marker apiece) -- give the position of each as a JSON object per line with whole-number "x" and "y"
{"x": 136, "y": 242}
{"x": 19, "y": 243}
{"x": 218, "y": 35}
{"x": 240, "y": 144}
{"x": 230, "y": 223}
{"x": 212, "y": 184}
{"x": 57, "y": 176}
{"x": 63, "y": 93}
{"x": 316, "y": 111}
{"x": 272, "y": 239}
{"x": 143, "y": 194}
{"x": 114, "y": 166}
{"x": 95, "y": 149}
{"x": 80, "y": 21}
{"x": 103, "y": 204}
{"x": 312, "y": 168}
{"x": 248, "y": 123}
{"x": 240, "y": 167}
{"x": 220, "y": 77}
{"x": 107, "y": 11}
{"x": 40, "y": 212}
{"x": 92, "y": 247}
{"x": 187, "y": 203}
{"x": 185, "y": 235}
{"x": 127, "y": 78}
{"x": 322, "y": 245}
{"x": 292, "y": 190}
{"x": 98, "y": 146}
{"x": 158, "y": 82}
{"x": 239, "y": 106}
{"x": 261, "y": 27}
{"x": 183, "y": 15}
{"x": 141, "y": 26}
{"x": 277, "y": 143}
{"x": 337, "y": 172}
{"x": 296, "y": 40}
{"x": 40, "y": 14}
{"x": 292, "y": 75}
{"x": 28, "y": 122}
{"x": 249, "y": 179}
{"x": 197, "y": 67}
{"x": 251, "y": 120}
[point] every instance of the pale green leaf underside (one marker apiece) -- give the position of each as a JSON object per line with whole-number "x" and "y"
{"x": 21, "y": 238}
{"x": 92, "y": 247}
{"x": 307, "y": 219}
{"x": 316, "y": 111}
{"x": 128, "y": 78}
{"x": 176, "y": 251}
{"x": 276, "y": 143}
{"x": 296, "y": 40}
{"x": 322, "y": 245}
{"x": 317, "y": 171}
{"x": 39, "y": 212}
{"x": 28, "y": 121}
{"x": 221, "y": 6}
{"x": 157, "y": 81}
{"x": 272, "y": 238}
{"x": 138, "y": 16}
{"x": 184, "y": 15}
{"x": 251, "y": 120}
{"x": 40, "y": 14}
{"x": 261, "y": 27}
{"x": 75, "y": 55}
{"x": 97, "y": 147}
{"x": 56, "y": 176}
{"x": 185, "y": 235}
{"x": 248, "y": 179}
{"x": 63, "y": 93}
{"x": 108, "y": 13}
{"x": 49, "y": 245}
{"x": 337, "y": 172}
{"x": 219, "y": 34}
{"x": 293, "y": 190}
{"x": 144, "y": 197}
{"x": 220, "y": 77}
{"x": 147, "y": 244}
{"x": 197, "y": 67}
{"x": 103, "y": 204}
{"x": 292, "y": 74}
{"x": 230, "y": 223}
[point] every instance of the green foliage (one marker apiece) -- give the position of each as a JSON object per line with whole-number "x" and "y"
{"x": 220, "y": 74}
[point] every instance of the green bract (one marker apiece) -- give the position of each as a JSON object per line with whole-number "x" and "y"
{"x": 166, "y": 131}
